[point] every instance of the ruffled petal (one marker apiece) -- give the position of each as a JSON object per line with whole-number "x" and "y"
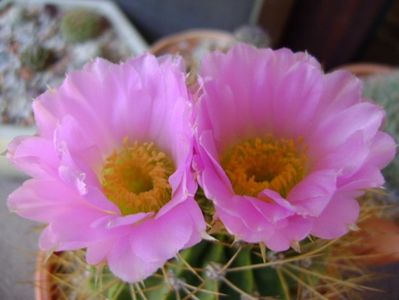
{"x": 289, "y": 231}
{"x": 150, "y": 242}
{"x": 162, "y": 238}
{"x": 314, "y": 192}
{"x": 124, "y": 263}
{"x": 341, "y": 212}
{"x": 347, "y": 158}
{"x": 34, "y": 155}
{"x": 339, "y": 126}
{"x": 98, "y": 252}
{"x": 383, "y": 150}
{"x": 236, "y": 226}
{"x": 40, "y": 200}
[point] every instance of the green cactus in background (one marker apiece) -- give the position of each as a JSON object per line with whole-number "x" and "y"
{"x": 253, "y": 35}
{"x": 37, "y": 58}
{"x": 81, "y": 25}
{"x": 384, "y": 89}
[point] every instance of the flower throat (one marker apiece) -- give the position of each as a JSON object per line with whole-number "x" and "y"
{"x": 265, "y": 163}
{"x": 135, "y": 178}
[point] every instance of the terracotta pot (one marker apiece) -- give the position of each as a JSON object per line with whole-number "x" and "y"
{"x": 192, "y": 45}
{"x": 42, "y": 278}
{"x": 367, "y": 69}
{"x": 187, "y": 41}
{"x": 53, "y": 273}
{"x": 379, "y": 241}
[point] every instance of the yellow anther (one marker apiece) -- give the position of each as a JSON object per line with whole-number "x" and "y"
{"x": 256, "y": 164}
{"x": 135, "y": 178}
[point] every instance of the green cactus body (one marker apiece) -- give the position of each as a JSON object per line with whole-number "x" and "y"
{"x": 37, "y": 58}
{"x": 384, "y": 89}
{"x": 207, "y": 271}
{"x": 81, "y": 25}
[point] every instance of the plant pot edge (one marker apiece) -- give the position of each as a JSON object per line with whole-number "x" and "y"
{"x": 42, "y": 288}
{"x": 366, "y": 69}
{"x": 187, "y": 35}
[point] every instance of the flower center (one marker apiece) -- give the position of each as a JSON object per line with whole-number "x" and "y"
{"x": 135, "y": 178}
{"x": 260, "y": 163}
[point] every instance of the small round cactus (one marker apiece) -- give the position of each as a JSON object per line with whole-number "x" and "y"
{"x": 384, "y": 89}
{"x": 81, "y": 25}
{"x": 253, "y": 35}
{"x": 37, "y": 58}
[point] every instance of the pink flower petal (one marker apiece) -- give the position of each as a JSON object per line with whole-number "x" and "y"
{"x": 47, "y": 240}
{"x": 383, "y": 150}
{"x": 98, "y": 252}
{"x": 40, "y": 200}
{"x": 338, "y": 127}
{"x": 314, "y": 192}
{"x": 123, "y": 262}
{"x": 112, "y": 221}
{"x": 236, "y": 226}
{"x": 150, "y": 240}
{"x": 35, "y": 155}
{"x": 341, "y": 212}
{"x": 292, "y": 230}
{"x": 162, "y": 238}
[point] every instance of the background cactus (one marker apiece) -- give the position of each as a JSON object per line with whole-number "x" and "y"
{"x": 37, "y": 58}
{"x": 253, "y": 35}
{"x": 81, "y": 25}
{"x": 384, "y": 89}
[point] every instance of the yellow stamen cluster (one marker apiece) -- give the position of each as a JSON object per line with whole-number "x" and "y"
{"x": 260, "y": 163}
{"x": 135, "y": 178}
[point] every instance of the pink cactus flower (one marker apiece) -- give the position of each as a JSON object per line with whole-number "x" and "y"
{"x": 283, "y": 149}
{"x": 111, "y": 166}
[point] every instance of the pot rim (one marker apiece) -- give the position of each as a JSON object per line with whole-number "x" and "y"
{"x": 367, "y": 69}
{"x": 190, "y": 35}
{"x": 42, "y": 278}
